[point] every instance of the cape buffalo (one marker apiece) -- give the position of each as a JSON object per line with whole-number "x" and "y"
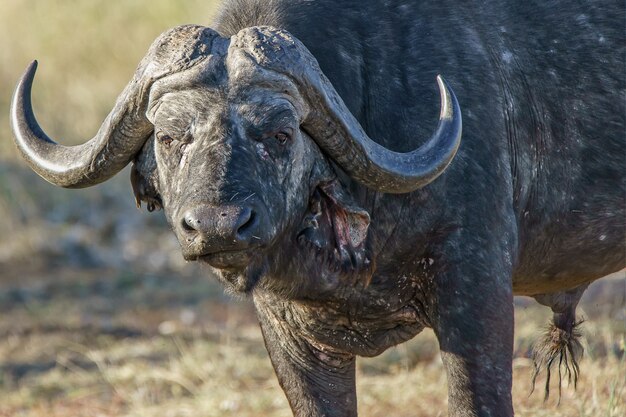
{"x": 291, "y": 149}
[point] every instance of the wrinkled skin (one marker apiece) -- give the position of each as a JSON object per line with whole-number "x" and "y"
{"x": 533, "y": 204}
{"x": 203, "y": 138}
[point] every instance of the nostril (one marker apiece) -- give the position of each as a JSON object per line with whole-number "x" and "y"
{"x": 220, "y": 228}
{"x": 248, "y": 221}
{"x": 189, "y": 223}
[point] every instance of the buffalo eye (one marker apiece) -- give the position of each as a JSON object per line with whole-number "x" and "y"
{"x": 164, "y": 138}
{"x": 282, "y": 137}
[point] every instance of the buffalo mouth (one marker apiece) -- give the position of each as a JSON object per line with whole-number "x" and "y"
{"x": 229, "y": 259}
{"x": 239, "y": 270}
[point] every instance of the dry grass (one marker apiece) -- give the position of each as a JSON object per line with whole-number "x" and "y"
{"x": 109, "y": 343}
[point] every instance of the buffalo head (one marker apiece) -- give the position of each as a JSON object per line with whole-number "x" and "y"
{"x": 230, "y": 136}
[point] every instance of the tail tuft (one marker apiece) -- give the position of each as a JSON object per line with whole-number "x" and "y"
{"x": 560, "y": 342}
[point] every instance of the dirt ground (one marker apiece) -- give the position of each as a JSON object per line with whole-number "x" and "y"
{"x": 115, "y": 342}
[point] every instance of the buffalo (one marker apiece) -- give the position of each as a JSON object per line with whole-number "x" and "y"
{"x": 293, "y": 149}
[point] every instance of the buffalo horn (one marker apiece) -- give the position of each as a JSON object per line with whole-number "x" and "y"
{"x": 337, "y": 131}
{"x": 339, "y": 134}
{"x": 119, "y": 138}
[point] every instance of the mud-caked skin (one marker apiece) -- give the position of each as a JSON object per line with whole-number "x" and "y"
{"x": 291, "y": 149}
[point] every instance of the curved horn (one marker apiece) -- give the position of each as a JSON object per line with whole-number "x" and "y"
{"x": 125, "y": 129}
{"x": 337, "y": 131}
{"x": 119, "y": 138}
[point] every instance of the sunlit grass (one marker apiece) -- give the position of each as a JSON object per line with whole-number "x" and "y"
{"x": 167, "y": 376}
{"x": 114, "y": 352}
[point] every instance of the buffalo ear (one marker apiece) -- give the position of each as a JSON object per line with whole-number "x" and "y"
{"x": 351, "y": 221}
{"x": 135, "y": 182}
{"x": 335, "y": 232}
{"x": 144, "y": 179}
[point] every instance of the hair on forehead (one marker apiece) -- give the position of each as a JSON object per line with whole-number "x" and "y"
{"x": 248, "y": 13}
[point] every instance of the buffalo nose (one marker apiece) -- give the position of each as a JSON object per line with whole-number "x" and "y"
{"x": 213, "y": 229}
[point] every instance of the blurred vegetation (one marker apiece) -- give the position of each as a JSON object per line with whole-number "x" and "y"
{"x": 99, "y": 314}
{"x": 87, "y": 50}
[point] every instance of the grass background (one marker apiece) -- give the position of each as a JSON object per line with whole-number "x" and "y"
{"x": 99, "y": 315}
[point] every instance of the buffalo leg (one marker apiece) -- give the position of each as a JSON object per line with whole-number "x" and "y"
{"x": 316, "y": 380}
{"x": 474, "y": 325}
